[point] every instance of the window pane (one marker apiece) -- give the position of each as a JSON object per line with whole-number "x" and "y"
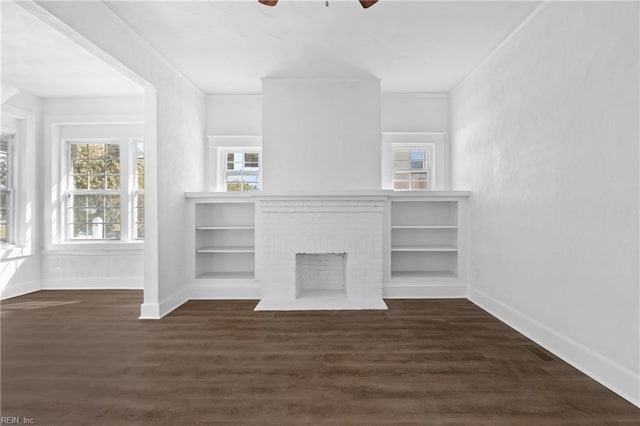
{"x": 234, "y": 186}
{"x": 94, "y": 216}
{"x": 400, "y": 184}
{"x": 5, "y": 187}
{"x": 112, "y": 181}
{"x": 411, "y": 168}
{"x": 140, "y": 174}
{"x": 251, "y": 157}
{"x": 242, "y": 171}
{"x": 113, "y": 152}
{"x": 401, "y": 175}
{"x": 418, "y": 176}
{"x": 4, "y": 216}
{"x": 251, "y": 178}
{"x": 140, "y": 216}
{"x": 4, "y": 163}
{"x": 95, "y": 166}
{"x": 402, "y": 165}
{"x": 139, "y": 165}
{"x": 96, "y": 150}
{"x": 80, "y": 172}
{"x": 97, "y": 181}
{"x": 417, "y": 155}
{"x": 401, "y": 155}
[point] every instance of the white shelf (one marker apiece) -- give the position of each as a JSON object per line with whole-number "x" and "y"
{"x": 424, "y": 227}
{"x": 226, "y": 276}
{"x": 422, "y": 274}
{"x": 424, "y": 248}
{"x": 247, "y": 249}
{"x": 216, "y": 228}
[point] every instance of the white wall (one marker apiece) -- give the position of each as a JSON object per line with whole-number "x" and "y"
{"x": 20, "y": 264}
{"x": 174, "y": 140}
{"x": 415, "y": 112}
{"x": 234, "y": 115}
{"x": 231, "y": 121}
{"x": 320, "y": 134}
{"x": 545, "y": 134}
{"x": 416, "y": 118}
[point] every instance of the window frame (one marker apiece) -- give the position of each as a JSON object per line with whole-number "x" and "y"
{"x": 10, "y": 190}
{"x": 135, "y": 191}
{"x": 223, "y": 151}
{"x": 67, "y": 173}
{"x": 429, "y": 159}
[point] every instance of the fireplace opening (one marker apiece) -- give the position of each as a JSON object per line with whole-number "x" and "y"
{"x": 321, "y": 274}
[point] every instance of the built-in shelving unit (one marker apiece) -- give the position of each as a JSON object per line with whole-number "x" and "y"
{"x": 424, "y": 251}
{"x": 424, "y": 239}
{"x": 225, "y": 240}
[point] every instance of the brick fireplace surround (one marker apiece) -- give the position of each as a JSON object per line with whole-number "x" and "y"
{"x": 289, "y": 228}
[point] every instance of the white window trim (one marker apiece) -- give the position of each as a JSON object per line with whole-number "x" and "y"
{"x": 133, "y": 187}
{"x": 441, "y": 168}
{"x": 25, "y": 203}
{"x": 55, "y": 172}
{"x": 11, "y": 189}
{"x": 222, "y": 152}
{"x": 417, "y": 147}
{"x": 214, "y": 168}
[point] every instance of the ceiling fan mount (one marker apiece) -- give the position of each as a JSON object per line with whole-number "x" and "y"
{"x": 364, "y": 3}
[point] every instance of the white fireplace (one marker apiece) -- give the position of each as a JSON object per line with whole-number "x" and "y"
{"x": 316, "y": 253}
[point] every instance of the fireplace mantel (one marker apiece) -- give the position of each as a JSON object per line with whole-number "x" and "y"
{"x": 368, "y": 194}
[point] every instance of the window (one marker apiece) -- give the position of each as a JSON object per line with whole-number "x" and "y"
{"x": 138, "y": 193}
{"x": 93, "y": 196}
{"x": 6, "y": 187}
{"x": 413, "y": 168}
{"x": 242, "y": 170}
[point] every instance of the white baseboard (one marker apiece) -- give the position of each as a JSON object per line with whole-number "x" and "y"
{"x": 224, "y": 292}
{"x": 614, "y": 376}
{"x": 20, "y": 289}
{"x": 424, "y": 291}
{"x": 93, "y": 283}
{"x": 168, "y": 305}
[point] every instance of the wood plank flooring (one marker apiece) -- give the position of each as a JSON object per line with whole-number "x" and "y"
{"x": 83, "y": 358}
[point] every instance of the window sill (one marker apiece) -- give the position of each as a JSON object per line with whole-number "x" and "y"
{"x": 96, "y": 247}
{"x": 13, "y": 252}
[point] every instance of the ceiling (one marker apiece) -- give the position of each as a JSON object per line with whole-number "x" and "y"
{"x": 412, "y": 46}
{"x": 39, "y": 60}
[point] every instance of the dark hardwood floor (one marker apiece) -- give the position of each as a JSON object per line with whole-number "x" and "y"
{"x": 83, "y": 358}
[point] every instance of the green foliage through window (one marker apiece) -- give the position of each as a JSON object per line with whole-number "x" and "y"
{"x": 94, "y": 203}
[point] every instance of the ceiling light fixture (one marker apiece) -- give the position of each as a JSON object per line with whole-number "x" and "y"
{"x": 364, "y": 3}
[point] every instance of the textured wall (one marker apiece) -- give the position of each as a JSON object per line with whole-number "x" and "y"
{"x": 545, "y": 135}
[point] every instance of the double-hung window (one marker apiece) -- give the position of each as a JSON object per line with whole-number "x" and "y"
{"x": 413, "y": 168}
{"x": 6, "y": 188}
{"x": 94, "y": 191}
{"x": 138, "y": 192}
{"x": 241, "y": 170}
